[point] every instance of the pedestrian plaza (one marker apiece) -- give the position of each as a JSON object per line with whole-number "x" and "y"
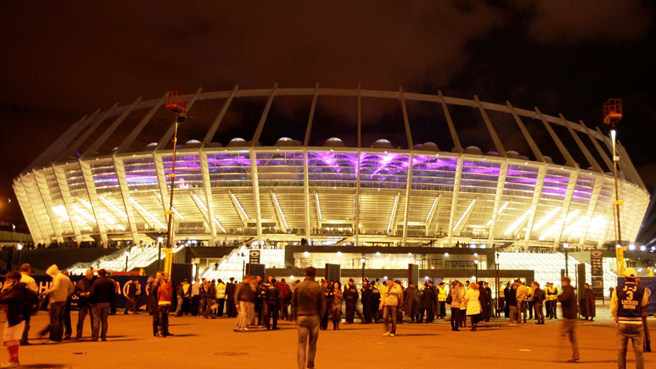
{"x": 200, "y": 343}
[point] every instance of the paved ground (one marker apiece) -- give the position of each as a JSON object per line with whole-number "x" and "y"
{"x": 200, "y": 343}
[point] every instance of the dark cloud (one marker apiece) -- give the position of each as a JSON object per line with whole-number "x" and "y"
{"x": 570, "y": 21}
{"x": 67, "y": 58}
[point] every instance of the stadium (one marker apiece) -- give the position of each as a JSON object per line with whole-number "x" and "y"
{"x": 389, "y": 168}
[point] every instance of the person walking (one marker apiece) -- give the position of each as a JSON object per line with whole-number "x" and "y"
{"x": 569, "y": 311}
{"x": 511, "y": 300}
{"x": 336, "y": 305}
{"x": 58, "y": 294}
{"x": 627, "y": 305}
{"x": 410, "y": 301}
{"x": 587, "y": 303}
{"x": 26, "y": 278}
{"x": 101, "y": 296}
{"x": 152, "y": 288}
{"x": 271, "y": 304}
{"x": 285, "y": 299}
{"x": 457, "y": 294}
{"x": 231, "y": 307}
{"x": 350, "y": 297}
{"x": 164, "y": 300}
{"x": 367, "y": 297}
{"x": 441, "y": 300}
{"x": 220, "y": 297}
{"x": 83, "y": 291}
{"x": 391, "y": 297}
{"x": 308, "y": 304}
{"x": 245, "y": 301}
{"x": 20, "y": 301}
{"x": 473, "y": 304}
{"x": 538, "y": 300}
{"x": 522, "y": 300}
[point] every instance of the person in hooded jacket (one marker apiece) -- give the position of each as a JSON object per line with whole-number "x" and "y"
{"x": 59, "y": 292}
{"x": 350, "y": 297}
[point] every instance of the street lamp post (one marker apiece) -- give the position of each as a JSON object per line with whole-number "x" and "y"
{"x": 180, "y": 109}
{"x": 566, "y": 249}
{"x": 612, "y": 114}
{"x": 363, "y": 261}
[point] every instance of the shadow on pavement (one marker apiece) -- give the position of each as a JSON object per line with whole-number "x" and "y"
{"x": 46, "y": 366}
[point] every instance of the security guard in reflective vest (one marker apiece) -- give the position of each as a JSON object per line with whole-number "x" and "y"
{"x": 552, "y": 296}
{"x": 627, "y": 305}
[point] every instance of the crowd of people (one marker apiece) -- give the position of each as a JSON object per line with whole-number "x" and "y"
{"x": 259, "y": 303}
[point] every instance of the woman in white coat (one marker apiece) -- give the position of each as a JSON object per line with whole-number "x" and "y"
{"x": 473, "y": 304}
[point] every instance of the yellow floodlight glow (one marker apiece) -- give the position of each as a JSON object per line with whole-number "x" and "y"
{"x": 546, "y": 218}
{"x": 464, "y": 215}
{"x": 514, "y": 226}
{"x": 501, "y": 209}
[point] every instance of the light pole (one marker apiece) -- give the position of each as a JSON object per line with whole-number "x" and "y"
{"x": 566, "y": 249}
{"x": 612, "y": 114}
{"x": 178, "y": 107}
{"x": 363, "y": 261}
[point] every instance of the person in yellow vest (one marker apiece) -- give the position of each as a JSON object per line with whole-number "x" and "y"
{"x": 441, "y": 300}
{"x": 552, "y": 297}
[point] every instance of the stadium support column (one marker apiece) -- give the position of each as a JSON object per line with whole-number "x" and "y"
{"x": 566, "y": 205}
{"x": 537, "y": 193}
{"x": 119, "y": 168}
{"x": 207, "y": 189}
{"x": 62, "y": 141}
{"x": 594, "y": 198}
{"x": 253, "y": 156}
{"x": 356, "y": 200}
{"x": 454, "y": 197}
{"x": 28, "y": 211}
{"x": 559, "y": 144}
{"x": 44, "y": 193}
{"x": 449, "y": 121}
{"x": 60, "y": 176}
{"x": 595, "y": 143}
{"x": 306, "y": 163}
{"x": 112, "y": 127}
{"x": 490, "y": 128}
{"x": 161, "y": 181}
{"x": 93, "y": 199}
{"x": 527, "y": 135}
{"x": 408, "y": 178}
{"x": 588, "y": 156}
{"x": 497, "y": 199}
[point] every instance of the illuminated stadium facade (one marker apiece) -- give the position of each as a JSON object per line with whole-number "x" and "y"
{"x": 96, "y": 182}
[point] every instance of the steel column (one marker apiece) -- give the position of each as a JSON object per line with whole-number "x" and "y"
{"x": 44, "y": 192}
{"x": 108, "y": 132}
{"x": 566, "y": 204}
{"x": 527, "y": 135}
{"x": 119, "y": 168}
{"x": 454, "y": 197}
{"x": 490, "y": 128}
{"x": 207, "y": 189}
{"x": 90, "y": 186}
{"x": 497, "y": 199}
{"x": 219, "y": 118}
{"x": 28, "y": 211}
{"x": 449, "y": 121}
{"x": 127, "y": 142}
{"x": 60, "y": 176}
{"x": 594, "y": 197}
{"x": 563, "y": 151}
{"x": 537, "y": 193}
{"x": 588, "y": 156}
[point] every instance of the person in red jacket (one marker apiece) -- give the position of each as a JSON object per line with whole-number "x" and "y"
{"x": 164, "y": 298}
{"x": 19, "y": 300}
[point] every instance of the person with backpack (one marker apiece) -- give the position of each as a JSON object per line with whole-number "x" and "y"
{"x": 20, "y": 302}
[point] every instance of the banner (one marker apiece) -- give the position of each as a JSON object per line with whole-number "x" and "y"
{"x": 597, "y": 273}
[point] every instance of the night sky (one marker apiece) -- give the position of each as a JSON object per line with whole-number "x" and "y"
{"x": 67, "y": 58}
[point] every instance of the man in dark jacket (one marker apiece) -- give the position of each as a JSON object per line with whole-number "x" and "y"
{"x": 569, "y": 310}
{"x": 409, "y": 300}
{"x": 103, "y": 291}
{"x": 309, "y": 305}
{"x": 272, "y": 304}
{"x": 350, "y": 297}
{"x": 428, "y": 301}
{"x": 82, "y": 291}
{"x": 20, "y": 301}
{"x": 538, "y": 301}
{"x": 285, "y": 299}
{"x": 587, "y": 303}
{"x": 230, "y": 298}
{"x": 366, "y": 302}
